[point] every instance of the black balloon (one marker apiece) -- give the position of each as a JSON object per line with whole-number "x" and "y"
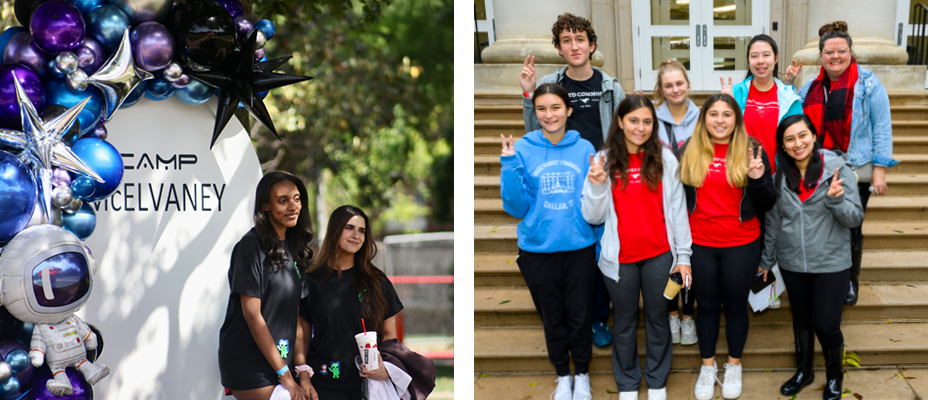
{"x": 23, "y": 10}
{"x": 243, "y": 80}
{"x": 7, "y": 324}
{"x": 204, "y": 34}
{"x": 93, "y": 355}
{"x": 54, "y": 110}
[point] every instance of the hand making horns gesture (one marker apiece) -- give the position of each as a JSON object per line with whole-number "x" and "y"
{"x": 836, "y": 189}
{"x": 508, "y": 147}
{"x": 597, "y": 175}
{"x": 756, "y": 168}
{"x": 527, "y": 77}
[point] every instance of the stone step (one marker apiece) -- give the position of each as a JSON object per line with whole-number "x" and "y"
{"x": 494, "y": 128}
{"x": 878, "y": 266}
{"x": 487, "y": 187}
{"x": 515, "y": 99}
{"x": 487, "y": 166}
{"x": 513, "y": 307}
{"x": 522, "y": 350}
{"x": 897, "y": 208}
{"x": 490, "y": 211}
{"x": 489, "y": 145}
{"x": 868, "y": 383}
{"x": 909, "y": 128}
{"x": 879, "y": 235}
{"x": 498, "y": 112}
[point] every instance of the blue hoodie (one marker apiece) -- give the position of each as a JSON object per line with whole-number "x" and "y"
{"x": 542, "y": 184}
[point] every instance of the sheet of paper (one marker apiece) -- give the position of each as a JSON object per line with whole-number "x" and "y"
{"x": 761, "y": 300}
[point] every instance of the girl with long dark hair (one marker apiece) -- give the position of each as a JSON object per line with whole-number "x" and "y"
{"x": 346, "y": 288}
{"x": 540, "y": 183}
{"x": 726, "y": 177}
{"x": 632, "y": 187}
{"x": 807, "y": 234}
{"x": 260, "y": 341}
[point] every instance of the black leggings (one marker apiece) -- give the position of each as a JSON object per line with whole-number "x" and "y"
{"x": 817, "y": 301}
{"x": 687, "y": 303}
{"x": 722, "y": 277}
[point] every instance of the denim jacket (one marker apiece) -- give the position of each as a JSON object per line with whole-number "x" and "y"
{"x": 787, "y": 100}
{"x": 871, "y": 125}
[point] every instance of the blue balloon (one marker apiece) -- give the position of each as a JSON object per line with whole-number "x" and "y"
{"x": 106, "y": 24}
{"x": 81, "y": 223}
{"x": 103, "y": 159}
{"x": 195, "y": 93}
{"x": 18, "y": 360}
{"x": 53, "y": 71}
{"x": 57, "y": 92}
{"x": 10, "y": 388}
{"x": 135, "y": 95}
{"x": 8, "y": 34}
{"x": 267, "y": 26}
{"x": 86, "y": 6}
{"x": 82, "y": 187}
{"x": 159, "y": 89}
{"x": 23, "y": 331}
{"x": 17, "y": 196}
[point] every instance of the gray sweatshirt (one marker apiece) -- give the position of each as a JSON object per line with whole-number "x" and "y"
{"x": 682, "y": 131}
{"x": 813, "y": 236}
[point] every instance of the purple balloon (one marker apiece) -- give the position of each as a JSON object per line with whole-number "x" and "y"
{"x": 61, "y": 177}
{"x": 152, "y": 46}
{"x": 88, "y": 64}
{"x": 233, "y": 7}
{"x": 243, "y": 25}
{"x": 259, "y": 54}
{"x": 22, "y": 50}
{"x": 9, "y": 106}
{"x": 82, "y": 389}
{"x": 24, "y": 376}
{"x": 98, "y": 131}
{"x": 57, "y": 25}
{"x": 181, "y": 82}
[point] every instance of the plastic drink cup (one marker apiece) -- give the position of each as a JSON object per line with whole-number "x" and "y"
{"x": 674, "y": 283}
{"x": 367, "y": 346}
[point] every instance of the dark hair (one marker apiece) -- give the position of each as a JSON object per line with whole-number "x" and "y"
{"x": 555, "y": 89}
{"x": 652, "y": 166}
{"x": 776, "y": 52}
{"x": 787, "y": 164}
{"x": 834, "y": 30}
{"x": 298, "y": 237}
{"x": 368, "y": 279}
{"x": 572, "y": 23}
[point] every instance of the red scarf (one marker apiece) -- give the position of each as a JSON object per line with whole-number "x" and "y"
{"x": 831, "y": 113}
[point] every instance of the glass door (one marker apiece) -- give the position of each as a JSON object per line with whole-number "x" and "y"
{"x": 707, "y": 36}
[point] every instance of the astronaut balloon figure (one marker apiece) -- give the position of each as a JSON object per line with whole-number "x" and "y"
{"x": 46, "y": 275}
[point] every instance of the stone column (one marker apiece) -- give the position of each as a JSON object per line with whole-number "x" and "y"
{"x": 523, "y": 27}
{"x": 871, "y": 25}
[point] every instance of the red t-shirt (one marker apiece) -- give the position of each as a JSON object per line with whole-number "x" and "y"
{"x": 804, "y": 193}
{"x": 716, "y": 222}
{"x": 829, "y": 144}
{"x": 640, "y": 212}
{"x": 761, "y": 116}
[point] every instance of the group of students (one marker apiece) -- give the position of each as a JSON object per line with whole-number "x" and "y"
{"x": 760, "y": 175}
{"x": 290, "y": 326}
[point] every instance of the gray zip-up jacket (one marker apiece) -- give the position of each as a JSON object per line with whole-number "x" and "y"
{"x": 609, "y": 102}
{"x": 812, "y": 236}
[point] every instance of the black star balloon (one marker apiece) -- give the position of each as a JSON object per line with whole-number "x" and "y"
{"x": 243, "y": 80}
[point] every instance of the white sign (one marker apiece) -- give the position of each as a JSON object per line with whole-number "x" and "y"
{"x": 162, "y": 244}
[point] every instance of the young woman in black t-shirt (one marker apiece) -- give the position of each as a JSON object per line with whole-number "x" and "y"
{"x": 346, "y": 287}
{"x": 261, "y": 339}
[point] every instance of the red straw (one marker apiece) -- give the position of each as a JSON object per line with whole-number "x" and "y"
{"x": 363, "y": 327}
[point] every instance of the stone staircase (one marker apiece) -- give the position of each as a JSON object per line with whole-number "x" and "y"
{"x": 888, "y": 328}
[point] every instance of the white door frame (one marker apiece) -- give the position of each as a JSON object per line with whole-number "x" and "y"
{"x": 487, "y": 24}
{"x": 902, "y": 19}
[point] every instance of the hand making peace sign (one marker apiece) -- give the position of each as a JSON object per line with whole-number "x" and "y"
{"x": 836, "y": 189}
{"x": 792, "y": 72}
{"x": 756, "y": 168}
{"x": 726, "y": 88}
{"x": 508, "y": 147}
{"x": 597, "y": 175}
{"x": 527, "y": 77}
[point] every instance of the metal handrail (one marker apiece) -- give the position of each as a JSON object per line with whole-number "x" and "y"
{"x": 918, "y": 54}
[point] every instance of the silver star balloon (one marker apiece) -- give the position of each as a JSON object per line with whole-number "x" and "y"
{"x": 41, "y": 145}
{"x": 117, "y": 77}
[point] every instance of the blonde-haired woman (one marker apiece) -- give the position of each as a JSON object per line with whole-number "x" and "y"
{"x": 726, "y": 179}
{"x": 676, "y": 115}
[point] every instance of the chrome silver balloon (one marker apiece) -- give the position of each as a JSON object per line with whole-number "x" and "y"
{"x": 62, "y": 196}
{"x": 261, "y": 41}
{"x": 6, "y": 371}
{"x": 77, "y": 80}
{"x": 74, "y": 206}
{"x": 117, "y": 77}
{"x": 173, "y": 72}
{"x": 66, "y": 61}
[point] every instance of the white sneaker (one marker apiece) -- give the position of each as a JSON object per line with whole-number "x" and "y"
{"x": 731, "y": 388}
{"x": 563, "y": 391}
{"x": 675, "y": 328}
{"x": 705, "y": 385}
{"x": 657, "y": 394}
{"x": 688, "y": 330}
{"x": 628, "y": 396}
{"x": 582, "y": 387}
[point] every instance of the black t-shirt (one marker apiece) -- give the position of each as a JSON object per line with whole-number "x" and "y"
{"x": 584, "y": 98}
{"x": 242, "y": 366}
{"x": 334, "y": 311}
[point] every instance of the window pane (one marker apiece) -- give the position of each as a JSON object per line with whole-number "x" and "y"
{"x": 672, "y": 12}
{"x": 729, "y": 53}
{"x": 731, "y": 12}
{"x": 670, "y": 47}
{"x": 481, "y": 7}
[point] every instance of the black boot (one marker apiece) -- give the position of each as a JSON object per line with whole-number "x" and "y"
{"x": 834, "y": 373}
{"x": 805, "y": 341}
{"x": 853, "y": 290}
